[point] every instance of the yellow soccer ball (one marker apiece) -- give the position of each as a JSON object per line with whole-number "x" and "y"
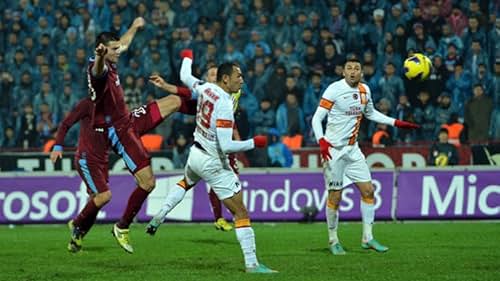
{"x": 417, "y": 67}
{"x": 441, "y": 160}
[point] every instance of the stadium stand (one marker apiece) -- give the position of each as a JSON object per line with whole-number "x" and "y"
{"x": 287, "y": 50}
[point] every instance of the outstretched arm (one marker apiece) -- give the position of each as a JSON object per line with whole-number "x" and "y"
{"x": 159, "y": 82}
{"x": 80, "y": 110}
{"x": 225, "y": 124}
{"x": 127, "y": 38}
{"x": 376, "y": 116}
{"x": 186, "y": 77}
{"x": 227, "y": 144}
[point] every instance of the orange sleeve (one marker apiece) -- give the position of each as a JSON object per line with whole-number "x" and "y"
{"x": 326, "y": 103}
{"x": 221, "y": 123}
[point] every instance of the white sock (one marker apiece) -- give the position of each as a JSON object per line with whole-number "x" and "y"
{"x": 368, "y": 217}
{"x": 174, "y": 196}
{"x": 332, "y": 221}
{"x": 246, "y": 237}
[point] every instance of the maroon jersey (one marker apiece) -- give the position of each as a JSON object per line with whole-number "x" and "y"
{"x": 188, "y": 105}
{"x": 93, "y": 142}
{"x": 107, "y": 93}
{"x": 145, "y": 118}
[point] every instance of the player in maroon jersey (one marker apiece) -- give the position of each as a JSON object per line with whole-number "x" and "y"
{"x": 105, "y": 90}
{"x": 91, "y": 158}
{"x": 91, "y": 162}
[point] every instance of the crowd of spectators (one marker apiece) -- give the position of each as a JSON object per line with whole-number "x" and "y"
{"x": 289, "y": 51}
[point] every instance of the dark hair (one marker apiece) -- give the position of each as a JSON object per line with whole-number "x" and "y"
{"x": 443, "y": 130}
{"x": 352, "y": 58}
{"x": 105, "y": 37}
{"x": 211, "y": 64}
{"x": 225, "y": 69}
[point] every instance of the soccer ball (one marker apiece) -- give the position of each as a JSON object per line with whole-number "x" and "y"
{"x": 417, "y": 67}
{"x": 441, "y": 160}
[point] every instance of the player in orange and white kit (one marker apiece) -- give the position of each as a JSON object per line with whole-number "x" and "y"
{"x": 344, "y": 103}
{"x": 220, "y": 222}
{"x": 208, "y": 156}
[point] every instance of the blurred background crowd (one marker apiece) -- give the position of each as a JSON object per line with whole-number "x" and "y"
{"x": 289, "y": 51}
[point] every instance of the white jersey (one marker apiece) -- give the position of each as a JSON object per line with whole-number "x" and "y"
{"x": 214, "y": 109}
{"x": 345, "y": 107}
{"x": 214, "y": 116}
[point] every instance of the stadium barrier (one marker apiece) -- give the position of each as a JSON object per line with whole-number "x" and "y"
{"x": 269, "y": 194}
{"x": 380, "y": 157}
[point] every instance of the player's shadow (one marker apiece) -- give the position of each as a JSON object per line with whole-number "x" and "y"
{"x": 96, "y": 249}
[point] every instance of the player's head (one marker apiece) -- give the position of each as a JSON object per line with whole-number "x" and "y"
{"x": 112, "y": 43}
{"x": 211, "y": 75}
{"x": 229, "y": 77}
{"x": 352, "y": 71}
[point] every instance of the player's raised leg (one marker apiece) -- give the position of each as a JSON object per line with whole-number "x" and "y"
{"x": 368, "y": 217}
{"x": 332, "y": 221}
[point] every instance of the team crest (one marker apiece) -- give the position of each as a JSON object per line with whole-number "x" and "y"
{"x": 355, "y": 96}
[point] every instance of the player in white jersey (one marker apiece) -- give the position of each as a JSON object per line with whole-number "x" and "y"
{"x": 344, "y": 103}
{"x": 208, "y": 156}
{"x": 220, "y": 222}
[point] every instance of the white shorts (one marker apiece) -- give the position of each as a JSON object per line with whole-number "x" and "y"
{"x": 222, "y": 179}
{"x": 348, "y": 165}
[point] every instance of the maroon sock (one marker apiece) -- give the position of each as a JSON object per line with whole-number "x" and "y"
{"x": 88, "y": 224}
{"x": 87, "y": 216}
{"x": 216, "y": 205}
{"x": 133, "y": 206}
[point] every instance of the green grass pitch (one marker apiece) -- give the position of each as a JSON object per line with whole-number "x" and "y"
{"x": 418, "y": 251}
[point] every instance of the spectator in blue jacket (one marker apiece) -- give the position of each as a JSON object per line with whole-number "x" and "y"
{"x": 475, "y": 56}
{"x": 279, "y": 155}
{"x": 459, "y": 84}
{"x": 449, "y": 37}
{"x": 312, "y": 95}
{"x": 484, "y": 78}
{"x": 264, "y": 119}
{"x": 391, "y": 85}
{"x": 474, "y": 32}
{"x": 425, "y": 115}
{"x": 290, "y": 116}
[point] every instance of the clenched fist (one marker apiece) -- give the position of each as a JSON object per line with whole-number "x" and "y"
{"x": 139, "y": 22}
{"x": 101, "y": 50}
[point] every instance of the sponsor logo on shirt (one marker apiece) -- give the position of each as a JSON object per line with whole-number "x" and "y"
{"x": 353, "y": 111}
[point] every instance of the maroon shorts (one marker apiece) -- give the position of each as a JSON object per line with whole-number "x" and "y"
{"x": 95, "y": 175}
{"x": 127, "y": 144}
{"x": 146, "y": 118}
